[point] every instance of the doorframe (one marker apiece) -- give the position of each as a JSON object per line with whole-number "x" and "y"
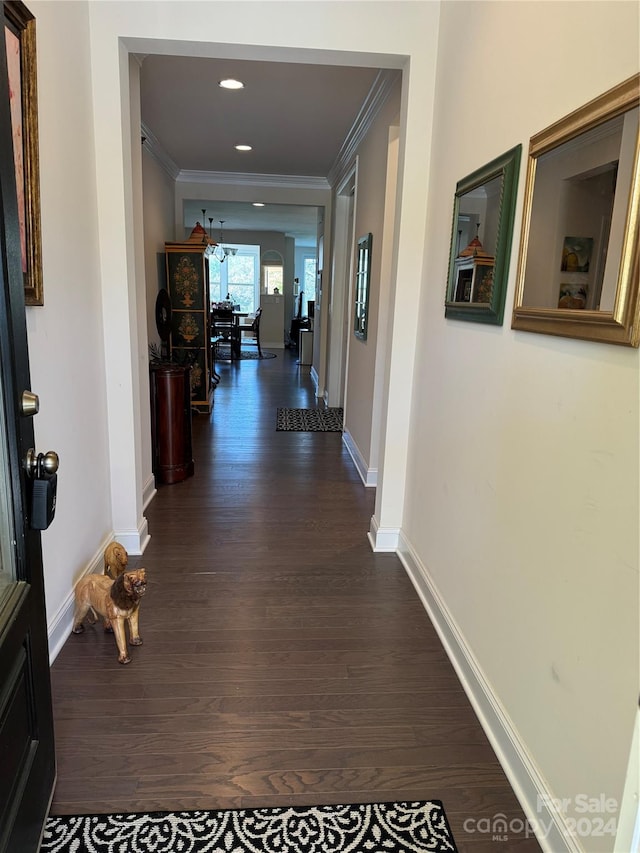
{"x": 25, "y": 656}
{"x": 384, "y": 335}
{"x": 341, "y": 283}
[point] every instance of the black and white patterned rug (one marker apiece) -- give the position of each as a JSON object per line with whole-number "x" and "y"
{"x": 309, "y": 420}
{"x": 404, "y": 827}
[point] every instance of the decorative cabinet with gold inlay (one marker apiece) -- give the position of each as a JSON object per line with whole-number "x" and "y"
{"x": 188, "y": 287}
{"x": 473, "y": 279}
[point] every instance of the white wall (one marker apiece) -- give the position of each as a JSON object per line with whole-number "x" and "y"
{"x": 272, "y": 322}
{"x": 521, "y": 509}
{"x": 66, "y": 336}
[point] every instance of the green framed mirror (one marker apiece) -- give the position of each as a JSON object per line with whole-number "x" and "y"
{"x": 363, "y": 279}
{"x": 483, "y": 215}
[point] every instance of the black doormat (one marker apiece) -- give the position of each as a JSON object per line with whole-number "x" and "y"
{"x": 309, "y": 420}
{"x": 224, "y": 354}
{"x": 409, "y": 827}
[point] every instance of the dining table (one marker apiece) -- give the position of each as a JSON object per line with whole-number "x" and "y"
{"x": 232, "y": 320}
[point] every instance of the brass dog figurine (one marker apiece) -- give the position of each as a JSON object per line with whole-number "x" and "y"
{"x": 115, "y": 559}
{"x": 115, "y": 601}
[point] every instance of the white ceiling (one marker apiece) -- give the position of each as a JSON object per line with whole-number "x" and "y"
{"x": 296, "y": 117}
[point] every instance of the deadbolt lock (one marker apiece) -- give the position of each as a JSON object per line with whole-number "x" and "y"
{"x": 29, "y": 404}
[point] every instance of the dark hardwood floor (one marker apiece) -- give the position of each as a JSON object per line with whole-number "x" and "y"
{"x": 283, "y": 661}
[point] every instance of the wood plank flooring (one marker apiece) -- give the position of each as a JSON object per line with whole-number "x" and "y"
{"x": 283, "y": 661}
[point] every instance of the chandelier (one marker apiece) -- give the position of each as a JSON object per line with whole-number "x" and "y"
{"x": 217, "y": 250}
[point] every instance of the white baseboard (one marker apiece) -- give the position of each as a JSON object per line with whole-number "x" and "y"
{"x": 315, "y": 379}
{"x": 536, "y": 799}
{"x": 135, "y": 541}
{"x": 381, "y": 538}
{"x": 369, "y": 476}
{"x": 149, "y": 492}
{"x": 60, "y": 625}
{"x": 628, "y": 835}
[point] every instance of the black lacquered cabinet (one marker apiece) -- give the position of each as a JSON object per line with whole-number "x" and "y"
{"x": 188, "y": 288}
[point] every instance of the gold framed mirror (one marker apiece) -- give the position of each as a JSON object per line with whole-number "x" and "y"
{"x": 578, "y": 264}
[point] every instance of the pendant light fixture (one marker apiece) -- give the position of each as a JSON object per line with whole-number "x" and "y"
{"x": 220, "y": 252}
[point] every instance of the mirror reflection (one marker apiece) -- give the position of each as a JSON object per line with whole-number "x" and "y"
{"x": 477, "y": 228}
{"x": 578, "y": 220}
{"x": 483, "y": 212}
{"x": 578, "y": 266}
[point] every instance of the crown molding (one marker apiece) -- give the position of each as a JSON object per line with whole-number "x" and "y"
{"x": 250, "y": 179}
{"x": 150, "y": 143}
{"x": 375, "y": 100}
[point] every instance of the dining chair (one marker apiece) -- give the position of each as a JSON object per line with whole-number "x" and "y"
{"x": 223, "y": 331}
{"x": 253, "y": 327}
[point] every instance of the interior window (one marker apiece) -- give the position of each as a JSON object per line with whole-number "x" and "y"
{"x": 273, "y": 278}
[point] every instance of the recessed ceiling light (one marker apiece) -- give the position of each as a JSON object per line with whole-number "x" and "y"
{"x": 230, "y": 83}
{"x": 258, "y": 204}
{"x": 243, "y": 147}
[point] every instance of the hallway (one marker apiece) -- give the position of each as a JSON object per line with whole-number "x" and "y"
{"x": 283, "y": 661}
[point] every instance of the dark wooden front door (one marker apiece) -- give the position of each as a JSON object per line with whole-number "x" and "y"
{"x": 27, "y": 764}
